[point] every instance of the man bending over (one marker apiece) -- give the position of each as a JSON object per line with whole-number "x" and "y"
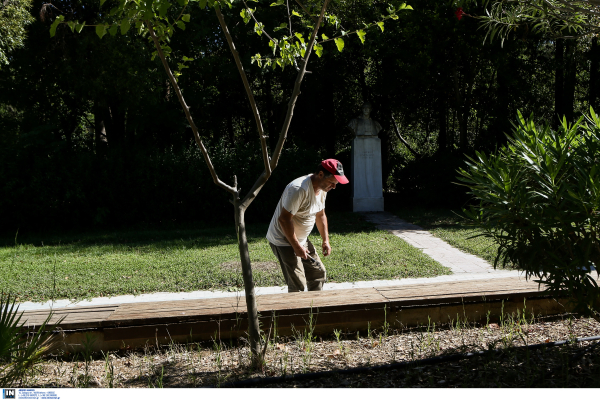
{"x": 301, "y": 205}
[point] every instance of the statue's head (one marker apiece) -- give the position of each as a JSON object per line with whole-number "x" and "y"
{"x": 366, "y": 108}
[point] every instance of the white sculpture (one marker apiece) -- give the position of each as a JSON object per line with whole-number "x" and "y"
{"x": 366, "y": 180}
{"x": 364, "y": 125}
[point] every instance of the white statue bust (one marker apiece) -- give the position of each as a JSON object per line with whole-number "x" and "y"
{"x": 364, "y": 125}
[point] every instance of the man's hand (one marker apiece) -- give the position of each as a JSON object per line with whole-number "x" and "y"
{"x": 326, "y": 249}
{"x": 301, "y": 252}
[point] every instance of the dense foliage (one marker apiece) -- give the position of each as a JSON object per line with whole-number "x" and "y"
{"x": 14, "y": 17}
{"x": 539, "y": 199}
{"x": 90, "y": 131}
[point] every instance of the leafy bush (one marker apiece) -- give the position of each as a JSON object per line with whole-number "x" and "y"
{"x": 75, "y": 188}
{"x": 538, "y": 199}
{"x": 20, "y": 352}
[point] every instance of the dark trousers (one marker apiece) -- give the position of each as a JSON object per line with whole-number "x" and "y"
{"x": 298, "y": 273}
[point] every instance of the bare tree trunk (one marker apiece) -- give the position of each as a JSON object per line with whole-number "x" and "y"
{"x": 270, "y": 111}
{"x": 408, "y": 146}
{"x": 240, "y": 206}
{"x": 253, "y": 326}
{"x": 270, "y": 164}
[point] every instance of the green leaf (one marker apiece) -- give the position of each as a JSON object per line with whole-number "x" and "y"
{"x": 278, "y": 3}
{"x": 339, "y": 42}
{"x": 79, "y": 27}
{"x": 185, "y": 17}
{"x": 71, "y": 25}
{"x": 180, "y": 25}
{"x": 245, "y": 15}
{"x": 113, "y": 30}
{"x": 183, "y": 2}
{"x": 164, "y": 7}
{"x": 380, "y": 24}
{"x": 101, "y": 30}
{"x": 299, "y": 36}
{"x": 294, "y": 12}
{"x": 258, "y": 28}
{"x": 280, "y": 27}
{"x": 324, "y": 36}
{"x": 125, "y": 25}
{"x": 361, "y": 34}
{"x": 202, "y": 4}
{"x": 318, "y": 49}
{"x": 102, "y": 2}
{"x": 55, "y": 24}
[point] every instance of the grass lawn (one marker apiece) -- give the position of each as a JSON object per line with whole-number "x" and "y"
{"x": 451, "y": 228}
{"x": 95, "y": 264}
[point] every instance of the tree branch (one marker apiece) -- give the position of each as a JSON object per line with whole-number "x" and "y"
{"x": 256, "y": 21}
{"x": 296, "y": 92}
{"x": 287, "y": 2}
{"x": 186, "y": 109}
{"x": 306, "y": 11}
{"x": 238, "y": 62}
{"x": 402, "y": 139}
{"x": 260, "y": 182}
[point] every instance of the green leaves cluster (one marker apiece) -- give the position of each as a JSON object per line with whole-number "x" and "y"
{"x": 288, "y": 48}
{"x": 163, "y": 16}
{"x": 14, "y": 17}
{"x": 539, "y": 199}
{"x": 553, "y": 18}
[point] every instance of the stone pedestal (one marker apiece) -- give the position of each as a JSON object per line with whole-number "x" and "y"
{"x": 366, "y": 182}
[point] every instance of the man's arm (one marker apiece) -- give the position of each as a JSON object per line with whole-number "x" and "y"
{"x": 285, "y": 220}
{"x": 321, "y": 220}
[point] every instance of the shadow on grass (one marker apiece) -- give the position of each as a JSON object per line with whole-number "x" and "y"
{"x": 431, "y": 218}
{"x": 167, "y": 238}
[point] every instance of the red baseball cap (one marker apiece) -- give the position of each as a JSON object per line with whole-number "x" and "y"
{"x": 335, "y": 167}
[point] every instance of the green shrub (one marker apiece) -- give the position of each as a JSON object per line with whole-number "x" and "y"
{"x": 75, "y": 188}
{"x": 19, "y": 352}
{"x": 538, "y": 199}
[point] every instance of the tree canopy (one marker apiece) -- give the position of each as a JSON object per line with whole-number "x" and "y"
{"x": 14, "y": 17}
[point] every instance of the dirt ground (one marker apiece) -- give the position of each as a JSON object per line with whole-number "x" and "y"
{"x": 223, "y": 364}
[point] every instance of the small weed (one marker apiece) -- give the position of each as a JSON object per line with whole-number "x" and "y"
{"x": 109, "y": 370}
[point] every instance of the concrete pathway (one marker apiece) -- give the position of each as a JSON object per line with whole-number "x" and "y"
{"x": 464, "y": 267}
{"x": 458, "y": 261}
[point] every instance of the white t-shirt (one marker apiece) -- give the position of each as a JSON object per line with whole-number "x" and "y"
{"x": 299, "y": 199}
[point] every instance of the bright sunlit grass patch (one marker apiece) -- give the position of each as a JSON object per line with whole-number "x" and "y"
{"x": 41, "y": 268}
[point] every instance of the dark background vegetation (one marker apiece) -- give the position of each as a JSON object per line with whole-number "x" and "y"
{"x": 91, "y": 134}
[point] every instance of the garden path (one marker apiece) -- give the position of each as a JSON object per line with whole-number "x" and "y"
{"x": 458, "y": 261}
